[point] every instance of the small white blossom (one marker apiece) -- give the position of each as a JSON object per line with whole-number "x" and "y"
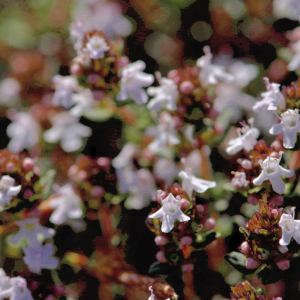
{"x": 169, "y": 212}
{"x": 271, "y": 170}
{"x": 166, "y": 170}
{"x": 290, "y": 228}
{"x": 124, "y": 158}
{"x": 83, "y": 101}
{"x": 290, "y": 126}
{"x": 77, "y": 32}
{"x": 247, "y": 139}
{"x": 272, "y": 99}
{"x": 67, "y": 205}
{"x": 24, "y": 132}
{"x": 30, "y": 229}
{"x": 13, "y": 288}
{"x": 65, "y": 86}
{"x": 40, "y": 258}
{"x": 210, "y": 73}
{"x": 165, "y": 133}
{"x": 8, "y": 190}
{"x": 132, "y": 82}
{"x": 68, "y": 131}
{"x": 287, "y": 9}
{"x": 191, "y": 183}
{"x": 164, "y": 95}
{"x": 96, "y": 46}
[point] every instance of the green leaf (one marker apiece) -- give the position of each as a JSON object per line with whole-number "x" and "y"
{"x": 47, "y": 181}
{"x": 238, "y": 261}
{"x": 204, "y": 239}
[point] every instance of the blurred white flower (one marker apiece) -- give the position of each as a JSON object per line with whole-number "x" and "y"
{"x": 8, "y": 190}
{"x": 10, "y": 89}
{"x": 166, "y": 170}
{"x": 169, "y": 212}
{"x": 77, "y": 32}
{"x": 271, "y": 170}
{"x": 290, "y": 126}
{"x": 124, "y": 158}
{"x": 294, "y": 64}
{"x": 287, "y": 9}
{"x": 165, "y": 133}
{"x": 96, "y": 46}
{"x": 83, "y": 101}
{"x": 68, "y": 131}
{"x": 64, "y": 88}
{"x": 40, "y": 258}
{"x": 272, "y": 99}
{"x": 67, "y": 205}
{"x": 24, "y": 132}
{"x": 13, "y": 288}
{"x": 246, "y": 140}
{"x": 243, "y": 73}
{"x": 290, "y": 228}
{"x": 30, "y": 229}
{"x": 132, "y": 82}
{"x": 191, "y": 183}
{"x": 164, "y": 95}
{"x": 210, "y": 73}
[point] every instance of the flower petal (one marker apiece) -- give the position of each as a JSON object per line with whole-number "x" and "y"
{"x": 158, "y": 214}
{"x": 276, "y": 129}
{"x": 277, "y": 184}
{"x": 261, "y": 178}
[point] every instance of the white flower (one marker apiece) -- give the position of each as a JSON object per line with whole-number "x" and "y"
{"x": 165, "y": 133}
{"x": 210, "y": 73}
{"x": 191, "y": 183}
{"x": 124, "y": 158}
{"x": 13, "y": 288}
{"x": 272, "y": 99}
{"x": 68, "y": 131}
{"x": 295, "y": 62}
{"x": 8, "y": 190}
{"x": 246, "y": 140}
{"x": 24, "y": 132}
{"x": 133, "y": 81}
{"x": 77, "y": 32}
{"x": 164, "y": 95}
{"x": 287, "y": 9}
{"x": 96, "y": 46}
{"x": 67, "y": 205}
{"x": 64, "y": 88}
{"x": 152, "y": 297}
{"x": 83, "y": 101}
{"x": 10, "y": 89}
{"x": 30, "y": 229}
{"x": 243, "y": 73}
{"x": 169, "y": 212}
{"x": 40, "y": 258}
{"x": 141, "y": 188}
{"x": 166, "y": 170}
{"x": 271, "y": 170}
{"x": 289, "y": 125}
{"x": 290, "y": 228}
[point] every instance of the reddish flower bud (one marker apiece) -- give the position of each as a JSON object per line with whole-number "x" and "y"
{"x": 245, "y": 248}
{"x": 252, "y": 263}
{"x": 209, "y": 224}
{"x": 28, "y": 164}
{"x": 184, "y": 204}
{"x": 186, "y": 241}
{"x": 160, "y": 240}
{"x": 97, "y": 191}
{"x": 200, "y": 208}
{"x": 28, "y": 193}
{"x": 186, "y": 87}
{"x": 277, "y": 200}
{"x": 10, "y": 167}
{"x": 187, "y": 267}
{"x": 283, "y": 264}
{"x": 160, "y": 256}
{"x": 252, "y": 199}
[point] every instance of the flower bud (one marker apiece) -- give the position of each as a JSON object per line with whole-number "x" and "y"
{"x": 28, "y": 193}
{"x": 160, "y": 240}
{"x": 186, "y": 87}
{"x": 277, "y": 201}
{"x": 209, "y": 224}
{"x": 283, "y": 264}
{"x": 186, "y": 241}
{"x": 75, "y": 70}
{"x": 36, "y": 171}
{"x": 200, "y": 208}
{"x": 245, "y": 248}
{"x": 122, "y": 62}
{"x": 252, "y": 199}
{"x": 82, "y": 175}
{"x": 283, "y": 249}
{"x": 252, "y": 263}
{"x": 172, "y": 74}
{"x": 97, "y": 191}
{"x": 184, "y": 204}
{"x": 187, "y": 267}
{"x": 104, "y": 163}
{"x": 274, "y": 213}
{"x": 246, "y": 164}
{"x": 10, "y": 167}
{"x": 93, "y": 78}
{"x": 277, "y": 146}
{"x": 160, "y": 256}
{"x": 28, "y": 164}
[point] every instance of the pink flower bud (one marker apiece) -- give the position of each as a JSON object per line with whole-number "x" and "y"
{"x": 277, "y": 146}
{"x": 200, "y": 208}
{"x": 75, "y": 70}
{"x": 252, "y": 263}
{"x": 50, "y": 297}
{"x": 10, "y": 167}
{"x": 184, "y": 204}
{"x": 209, "y": 224}
{"x": 275, "y": 155}
{"x": 186, "y": 241}
{"x": 186, "y": 87}
{"x": 97, "y": 191}
{"x": 252, "y": 200}
{"x": 28, "y": 164}
{"x": 104, "y": 163}
{"x": 246, "y": 164}
{"x": 93, "y": 78}
{"x": 36, "y": 171}
{"x": 160, "y": 240}
{"x": 82, "y": 175}
{"x": 34, "y": 285}
{"x": 160, "y": 256}
{"x": 172, "y": 74}
{"x": 28, "y": 193}
{"x": 283, "y": 264}
{"x": 72, "y": 171}
{"x": 283, "y": 249}
{"x": 245, "y": 248}
{"x": 277, "y": 201}
{"x": 274, "y": 213}
{"x": 187, "y": 267}
{"x": 122, "y": 62}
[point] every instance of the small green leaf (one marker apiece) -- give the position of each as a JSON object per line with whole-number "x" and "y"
{"x": 47, "y": 181}
{"x": 238, "y": 261}
{"x": 98, "y": 115}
